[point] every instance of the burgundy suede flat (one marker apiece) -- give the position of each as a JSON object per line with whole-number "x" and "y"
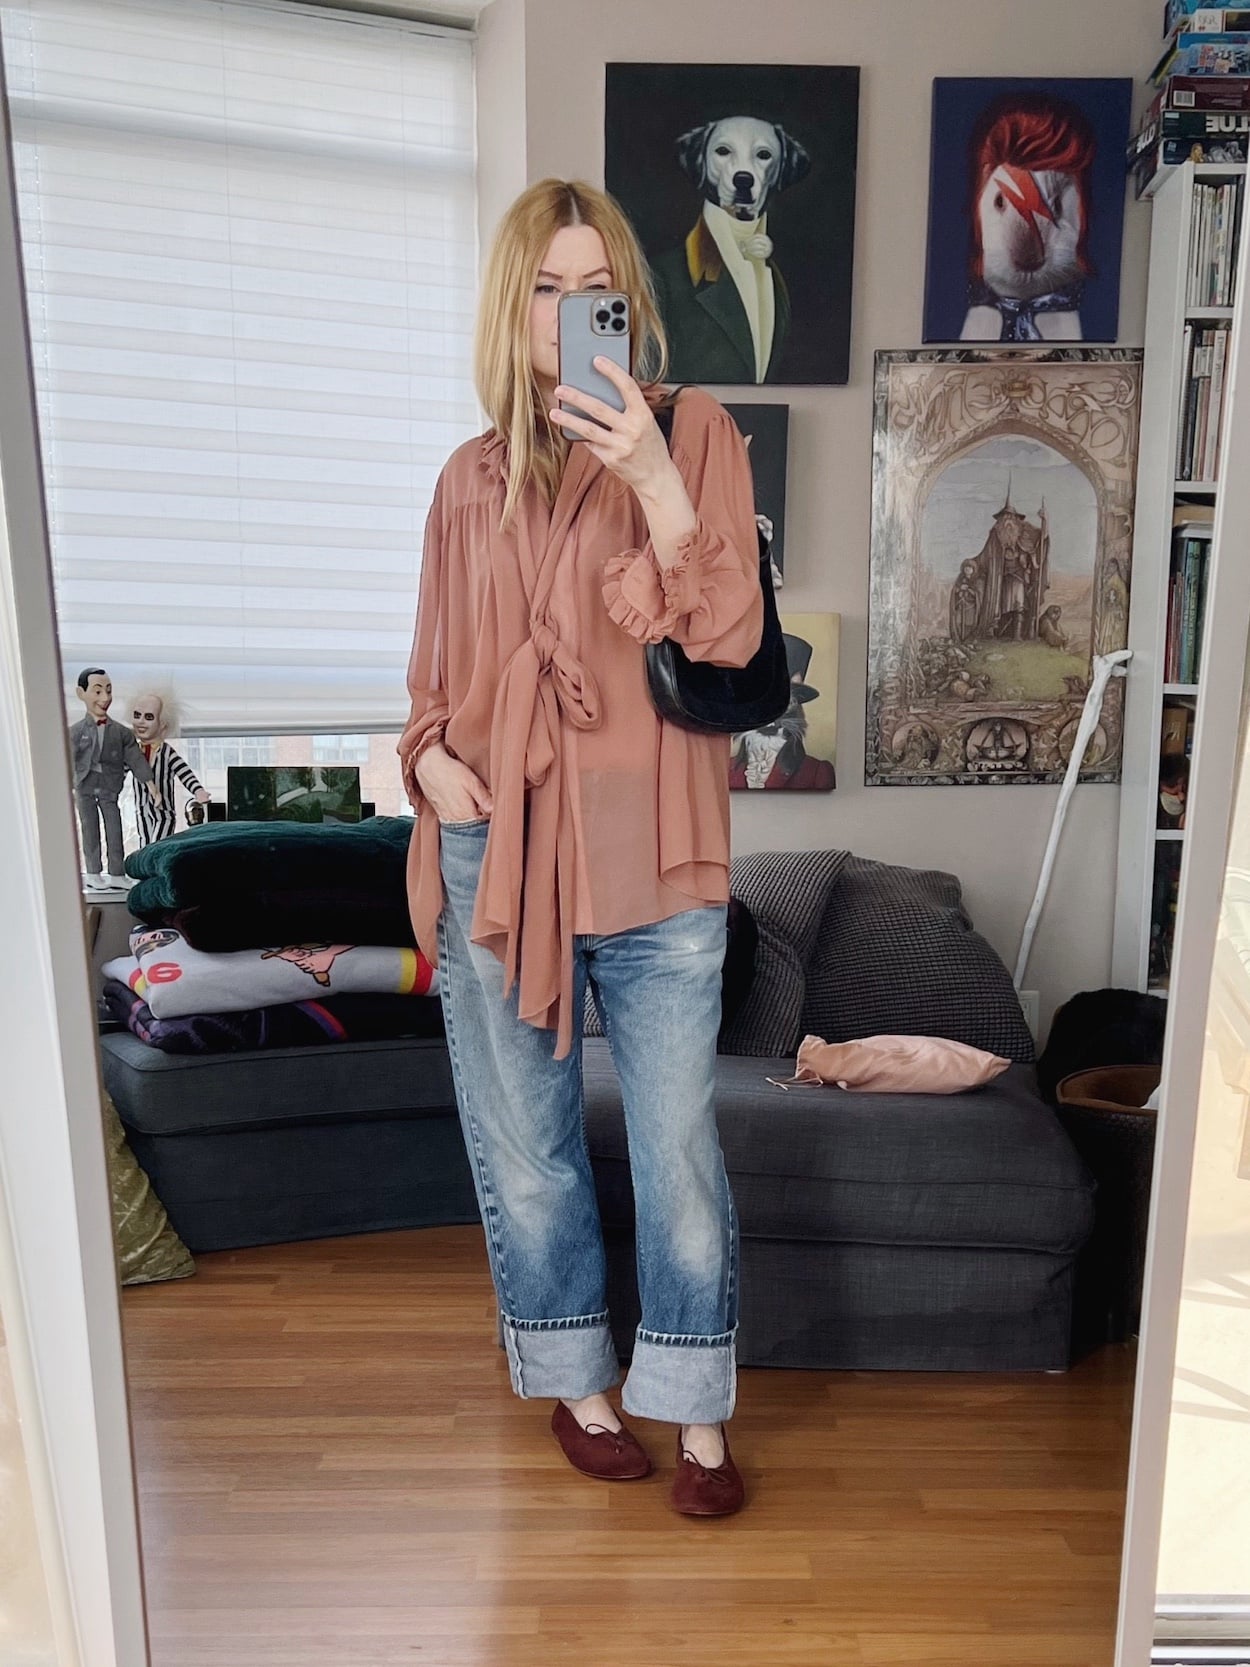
{"x": 700, "y": 1492}
{"x": 612, "y": 1455}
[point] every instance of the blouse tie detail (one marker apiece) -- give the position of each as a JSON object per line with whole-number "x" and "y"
{"x": 531, "y": 840}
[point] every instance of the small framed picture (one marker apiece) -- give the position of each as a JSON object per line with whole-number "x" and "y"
{"x": 797, "y": 753}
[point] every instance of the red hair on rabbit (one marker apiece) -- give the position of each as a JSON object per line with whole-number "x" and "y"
{"x": 1024, "y": 135}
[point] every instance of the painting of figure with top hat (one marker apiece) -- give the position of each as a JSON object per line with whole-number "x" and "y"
{"x": 797, "y": 751}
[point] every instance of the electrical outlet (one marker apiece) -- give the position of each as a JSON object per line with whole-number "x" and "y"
{"x": 1031, "y": 1003}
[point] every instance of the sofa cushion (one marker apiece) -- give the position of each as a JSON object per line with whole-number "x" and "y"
{"x": 164, "y": 1094}
{"x": 990, "y": 1167}
{"x": 786, "y": 892}
{"x": 897, "y": 954}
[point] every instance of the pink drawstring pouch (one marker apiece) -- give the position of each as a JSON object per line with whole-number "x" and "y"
{"x": 894, "y": 1065}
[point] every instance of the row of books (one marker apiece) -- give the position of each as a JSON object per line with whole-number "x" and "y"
{"x": 1201, "y": 114}
{"x": 1205, "y": 358}
{"x": 1213, "y": 229}
{"x": 1187, "y": 590}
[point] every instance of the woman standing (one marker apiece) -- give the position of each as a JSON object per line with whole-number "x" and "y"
{"x": 565, "y": 831}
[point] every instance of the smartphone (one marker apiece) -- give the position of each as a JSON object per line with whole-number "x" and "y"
{"x": 592, "y": 322}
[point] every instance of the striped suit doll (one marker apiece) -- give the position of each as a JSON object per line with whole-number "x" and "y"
{"x": 151, "y": 725}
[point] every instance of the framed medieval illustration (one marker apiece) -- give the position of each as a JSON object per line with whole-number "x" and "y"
{"x": 1002, "y": 513}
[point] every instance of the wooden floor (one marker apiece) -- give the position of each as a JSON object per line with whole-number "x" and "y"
{"x": 335, "y": 1472}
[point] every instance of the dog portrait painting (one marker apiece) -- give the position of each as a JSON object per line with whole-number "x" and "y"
{"x": 740, "y": 183}
{"x": 1026, "y": 210}
{"x": 797, "y": 752}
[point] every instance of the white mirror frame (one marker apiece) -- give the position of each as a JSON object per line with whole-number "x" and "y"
{"x": 59, "y": 1283}
{"x": 1211, "y": 795}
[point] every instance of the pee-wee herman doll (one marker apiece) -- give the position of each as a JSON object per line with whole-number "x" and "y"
{"x": 101, "y": 752}
{"x": 153, "y": 719}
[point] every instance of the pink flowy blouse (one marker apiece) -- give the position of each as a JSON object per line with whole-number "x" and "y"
{"x": 528, "y": 660}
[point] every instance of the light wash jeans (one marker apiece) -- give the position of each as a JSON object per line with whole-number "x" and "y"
{"x": 659, "y": 994}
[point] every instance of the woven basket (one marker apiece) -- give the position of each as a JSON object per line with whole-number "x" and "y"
{"x": 1103, "y": 1115}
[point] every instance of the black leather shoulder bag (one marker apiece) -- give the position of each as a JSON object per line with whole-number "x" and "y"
{"x": 721, "y": 699}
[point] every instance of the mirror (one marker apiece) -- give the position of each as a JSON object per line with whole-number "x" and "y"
{"x": 250, "y": 238}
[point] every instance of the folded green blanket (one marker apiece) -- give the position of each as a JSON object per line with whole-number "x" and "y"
{"x": 229, "y": 861}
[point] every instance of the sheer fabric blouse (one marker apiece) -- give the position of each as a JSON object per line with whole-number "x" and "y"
{"x": 528, "y": 661}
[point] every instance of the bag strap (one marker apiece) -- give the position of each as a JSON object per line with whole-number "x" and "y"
{"x": 664, "y": 415}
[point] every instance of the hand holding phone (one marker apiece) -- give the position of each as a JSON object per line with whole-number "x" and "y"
{"x": 592, "y": 322}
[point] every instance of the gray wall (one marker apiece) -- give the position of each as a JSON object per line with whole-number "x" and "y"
{"x": 541, "y": 112}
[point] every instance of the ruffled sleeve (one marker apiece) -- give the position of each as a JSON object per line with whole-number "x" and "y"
{"x": 427, "y": 686}
{"x": 709, "y": 599}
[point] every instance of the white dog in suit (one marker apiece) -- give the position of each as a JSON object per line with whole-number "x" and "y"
{"x": 729, "y": 331}
{"x": 740, "y": 162}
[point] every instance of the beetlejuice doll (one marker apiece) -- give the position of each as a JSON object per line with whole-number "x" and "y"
{"x": 152, "y": 720}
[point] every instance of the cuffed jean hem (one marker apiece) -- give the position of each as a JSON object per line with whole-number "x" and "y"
{"x": 684, "y": 1380}
{"x": 567, "y": 1359}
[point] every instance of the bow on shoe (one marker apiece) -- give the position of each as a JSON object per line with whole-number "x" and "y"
{"x": 717, "y": 1473}
{"x": 618, "y": 1436}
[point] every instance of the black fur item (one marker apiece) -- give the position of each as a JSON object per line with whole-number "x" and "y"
{"x": 1101, "y": 1027}
{"x": 742, "y": 941}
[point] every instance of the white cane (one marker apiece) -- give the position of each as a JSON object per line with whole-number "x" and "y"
{"x": 1104, "y": 667}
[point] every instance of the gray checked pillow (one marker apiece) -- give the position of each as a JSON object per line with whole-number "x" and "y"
{"x": 737, "y": 971}
{"x": 897, "y": 955}
{"x": 787, "y": 893}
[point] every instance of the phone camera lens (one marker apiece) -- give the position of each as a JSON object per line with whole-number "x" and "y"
{"x": 602, "y": 316}
{"x": 618, "y": 306}
{"x": 618, "y": 323}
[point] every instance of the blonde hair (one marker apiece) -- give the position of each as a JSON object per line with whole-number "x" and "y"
{"x": 503, "y": 373}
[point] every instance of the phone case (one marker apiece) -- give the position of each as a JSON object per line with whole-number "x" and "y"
{"x": 587, "y": 329}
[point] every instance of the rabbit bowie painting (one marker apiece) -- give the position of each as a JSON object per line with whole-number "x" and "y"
{"x": 1026, "y": 209}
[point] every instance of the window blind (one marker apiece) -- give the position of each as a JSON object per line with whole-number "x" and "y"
{"x": 249, "y": 235}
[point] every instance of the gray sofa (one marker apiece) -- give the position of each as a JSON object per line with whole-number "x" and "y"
{"x": 877, "y": 1231}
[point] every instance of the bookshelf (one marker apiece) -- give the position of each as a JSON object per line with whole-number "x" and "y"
{"x": 1171, "y": 546}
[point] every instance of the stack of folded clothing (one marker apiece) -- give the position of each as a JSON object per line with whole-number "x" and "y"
{"x": 265, "y": 935}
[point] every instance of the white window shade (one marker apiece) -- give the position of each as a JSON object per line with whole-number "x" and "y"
{"x": 249, "y": 235}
